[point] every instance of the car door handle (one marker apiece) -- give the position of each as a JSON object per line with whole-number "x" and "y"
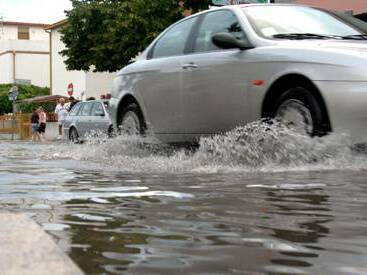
{"x": 190, "y": 66}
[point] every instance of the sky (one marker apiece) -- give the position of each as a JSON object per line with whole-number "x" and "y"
{"x": 34, "y": 11}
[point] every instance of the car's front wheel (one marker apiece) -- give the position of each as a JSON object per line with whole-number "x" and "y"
{"x": 300, "y": 110}
{"x": 131, "y": 121}
{"x": 74, "y": 136}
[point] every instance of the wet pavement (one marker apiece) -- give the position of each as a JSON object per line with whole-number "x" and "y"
{"x": 255, "y": 203}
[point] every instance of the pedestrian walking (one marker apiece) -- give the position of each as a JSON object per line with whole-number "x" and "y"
{"x": 61, "y": 112}
{"x": 42, "y": 124}
{"x": 35, "y": 125}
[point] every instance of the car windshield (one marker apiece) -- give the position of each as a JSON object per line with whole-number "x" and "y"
{"x": 298, "y": 22}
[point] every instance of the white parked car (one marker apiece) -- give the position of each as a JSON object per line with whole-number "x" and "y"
{"x": 86, "y": 117}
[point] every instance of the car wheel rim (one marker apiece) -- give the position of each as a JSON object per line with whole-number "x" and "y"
{"x": 130, "y": 124}
{"x": 296, "y": 116}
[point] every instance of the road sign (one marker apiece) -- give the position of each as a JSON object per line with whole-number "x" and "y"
{"x": 70, "y": 89}
{"x": 23, "y": 81}
{"x": 13, "y": 93}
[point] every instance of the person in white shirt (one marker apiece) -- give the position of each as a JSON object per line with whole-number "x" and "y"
{"x": 61, "y": 112}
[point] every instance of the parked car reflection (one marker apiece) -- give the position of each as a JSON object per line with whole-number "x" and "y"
{"x": 86, "y": 117}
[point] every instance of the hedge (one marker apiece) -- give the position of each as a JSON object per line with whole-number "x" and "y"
{"x": 24, "y": 92}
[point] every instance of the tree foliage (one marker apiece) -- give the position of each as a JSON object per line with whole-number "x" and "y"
{"x": 24, "y": 92}
{"x": 196, "y": 5}
{"x": 106, "y": 34}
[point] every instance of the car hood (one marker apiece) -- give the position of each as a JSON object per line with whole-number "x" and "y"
{"x": 357, "y": 45}
{"x": 348, "y": 45}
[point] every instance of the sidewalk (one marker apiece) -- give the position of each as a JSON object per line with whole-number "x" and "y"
{"x": 52, "y": 133}
{"x": 26, "y": 249}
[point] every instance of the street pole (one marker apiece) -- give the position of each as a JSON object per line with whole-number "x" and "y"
{"x": 13, "y": 123}
{"x": 12, "y": 94}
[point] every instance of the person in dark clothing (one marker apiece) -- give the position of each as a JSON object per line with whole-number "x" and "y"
{"x": 72, "y": 102}
{"x": 35, "y": 124}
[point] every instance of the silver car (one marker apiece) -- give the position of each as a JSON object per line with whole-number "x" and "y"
{"x": 86, "y": 117}
{"x": 228, "y": 66}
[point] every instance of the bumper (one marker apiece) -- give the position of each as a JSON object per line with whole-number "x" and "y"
{"x": 347, "y": 107}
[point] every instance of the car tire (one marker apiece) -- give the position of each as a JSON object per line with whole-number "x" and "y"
{"x": 300, "y": 110}
{"x": 110, "y": 132}
{"x": 74, "y": 136}
{"x": 131, "y": 121}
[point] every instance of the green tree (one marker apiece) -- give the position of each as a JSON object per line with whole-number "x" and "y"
{"x": 197, "y": 5}
{"x": 24, "y": 92}
{"x": 106, "y": 34}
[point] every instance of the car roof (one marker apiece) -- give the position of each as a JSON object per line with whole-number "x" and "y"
{"x": 241, "y": 6}
{"x": 91, "y": 101}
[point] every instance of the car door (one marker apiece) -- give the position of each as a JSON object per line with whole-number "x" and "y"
{"x": 85, "y": 119}
{"x": 214, "y": 92}
{"x": 72, "y": 119}
{"x": 99, "y": 118}
{"x": 160, "y": 78}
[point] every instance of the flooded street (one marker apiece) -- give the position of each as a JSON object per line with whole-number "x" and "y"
{"x": 273, "y": 203}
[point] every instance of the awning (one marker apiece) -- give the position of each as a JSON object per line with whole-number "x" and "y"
{"x": 42, "y": 99}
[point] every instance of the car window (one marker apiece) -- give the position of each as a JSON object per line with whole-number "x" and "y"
{"x": 85, "y": 111}
{"x": 270, "y": 21}
{"x": 174, "y": 40}
{"x": 97, "y": 109}
{"x": 75, "y": 109}
{"x": 215, "y": 22}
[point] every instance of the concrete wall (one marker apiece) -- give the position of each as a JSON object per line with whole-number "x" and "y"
{"x": 61, "y": 77}
{"x": 98, "y": 84}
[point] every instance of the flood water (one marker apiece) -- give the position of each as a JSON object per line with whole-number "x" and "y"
{"x": 253, "y": 201}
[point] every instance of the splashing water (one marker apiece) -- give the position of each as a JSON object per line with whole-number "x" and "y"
{"x": 256, "y": 147}
{"x": 260, "y": 144}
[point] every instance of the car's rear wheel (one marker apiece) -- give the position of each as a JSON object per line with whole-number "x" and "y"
{"x": 74, "y": 136}
{"x": 131, "y": 121}
{"x": 301, "y": 111}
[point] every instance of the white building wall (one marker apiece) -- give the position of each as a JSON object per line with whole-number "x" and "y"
{"x": 86, "y": 84}
{"x": 35, "y": 33}
{"x": 62, "y": 77}
{"x": 98, "y": 84}
{"x": 10, "y": 32}
{"x": 6, "y": 68}
{"x": 24, "y": 45}
{"x": 31, "y": 61}
{"x": 33, "y": 67}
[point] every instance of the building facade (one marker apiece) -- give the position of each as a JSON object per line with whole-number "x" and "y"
{"x": 85, "y": 84}
{"x": 353, "y": 6}
{"x": 24, "y": 53}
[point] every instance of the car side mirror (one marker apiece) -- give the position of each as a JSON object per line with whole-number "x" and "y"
{"x": 225, "y": 40}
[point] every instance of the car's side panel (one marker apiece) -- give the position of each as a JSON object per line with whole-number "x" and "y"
{"x": 214, "y": 94}
{"x": 346, "y": 102}
{"x": 159, "y": 87}
{"x": 99, "y": 122}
